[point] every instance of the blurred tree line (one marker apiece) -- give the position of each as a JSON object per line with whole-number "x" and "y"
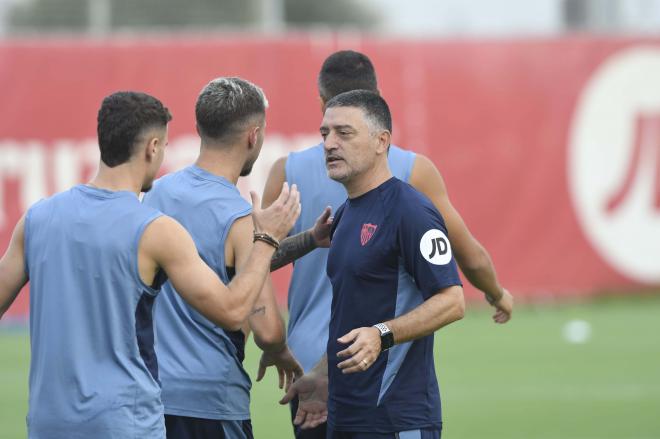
{"x": 146, "y": 15}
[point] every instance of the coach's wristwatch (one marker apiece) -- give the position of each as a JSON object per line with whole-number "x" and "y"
{"x": 386, "y": 337}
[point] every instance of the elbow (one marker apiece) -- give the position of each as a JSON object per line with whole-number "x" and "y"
{"x": 270, "y": 340}
{"x": 234, "y": 325}
{"x": 233, "y": 319}
{"x": 231, "y": 323}
{"x": 459, "y": 312}
{"x": 269, "y": 333}
{"x": 222, "y": 311}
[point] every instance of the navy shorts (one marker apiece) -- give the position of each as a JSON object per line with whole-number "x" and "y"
{"x": 424, "y": 433}
{"x": 183, "y": 427}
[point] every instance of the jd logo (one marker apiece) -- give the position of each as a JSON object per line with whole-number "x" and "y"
{"x": 435, "y": 247}
{"x": 439, "y": 246}
{"x": 614, "y": 162}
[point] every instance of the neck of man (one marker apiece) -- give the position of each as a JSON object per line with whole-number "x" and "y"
{"x": 221, "y": 160}
{"x": 368, "y": 180}
{"x": 125, "y": 177}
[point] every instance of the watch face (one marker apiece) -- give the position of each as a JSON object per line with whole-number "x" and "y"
{"x": 386, "y": 341}
{"x": 386, "y": 336}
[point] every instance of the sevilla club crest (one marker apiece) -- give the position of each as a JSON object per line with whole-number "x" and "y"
{"x": 368, "y": 231}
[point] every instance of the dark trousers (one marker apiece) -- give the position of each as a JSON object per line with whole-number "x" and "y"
{"x": 183, "y": 427}
{"x": 412, "y": 434}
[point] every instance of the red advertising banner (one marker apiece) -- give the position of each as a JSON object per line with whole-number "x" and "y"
{"x": 550, "y": 148}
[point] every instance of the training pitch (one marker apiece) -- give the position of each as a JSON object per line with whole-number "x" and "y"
{"x": 565, "y": 371}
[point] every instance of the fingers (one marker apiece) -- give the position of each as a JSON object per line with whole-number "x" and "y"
{"x": 294, "y": 200}
{"x": 289, "y": 380}
{"x": 284, "y": 194}
{"x": 301, "y": 417}
{"x": 325, "y": 215}
{"x": 361, "y": 354}
{"x": 356, "y": 364}
{"x": 298, "y": 371}
{"x": 307, "y": 420}
{"x": 256, "y": 201}
{"x": 292, "y": 196}
{"x": 350, "y": 337}
{"x": 294, "y": 374}
{"x": 289, "y": 395}
{"x": 292, "y": 206}
{"x": 501, "y": 316}
{"x": 280, "y": 216}
{"x": 349, "y": 351}
{"x": 280, "y": 372}
{"x": 313, "y": 420}
{"x": 261, "y": 372}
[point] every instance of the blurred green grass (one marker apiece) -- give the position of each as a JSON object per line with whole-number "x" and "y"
{"x": 522, "y": 380}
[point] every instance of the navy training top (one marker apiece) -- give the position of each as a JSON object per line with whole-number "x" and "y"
{"x": 389, "y": 253}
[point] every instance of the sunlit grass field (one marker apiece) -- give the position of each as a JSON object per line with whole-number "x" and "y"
{"x": 523, "y": 380}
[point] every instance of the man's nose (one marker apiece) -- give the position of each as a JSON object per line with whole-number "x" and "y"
{"x": 330, "y": 142}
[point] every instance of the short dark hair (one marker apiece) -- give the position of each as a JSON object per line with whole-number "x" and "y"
{"x": 374, "y": 106}
{"x": 225, "y": 105}
{"x": 344, "y": 71}
{"x": 122, "y": 118}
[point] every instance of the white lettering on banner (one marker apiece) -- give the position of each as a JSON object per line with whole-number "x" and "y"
{"x": 614, "y": 162}
{"x": 41, "y": 169}
{"x": 73, "y": 162}
{"x": 21, "y": 162}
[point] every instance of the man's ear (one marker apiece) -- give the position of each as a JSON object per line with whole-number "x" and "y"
{"x": 152, "y": 148}
{"x": 253, "y": 136}
{"x": 384, "y": 140}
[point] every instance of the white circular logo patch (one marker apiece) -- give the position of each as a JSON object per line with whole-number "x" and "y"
{"x": 435, "y": 247}
{"x": 614, "y": 162}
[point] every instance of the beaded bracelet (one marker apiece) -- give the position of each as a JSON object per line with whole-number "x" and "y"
{"x": 265, "y": 237}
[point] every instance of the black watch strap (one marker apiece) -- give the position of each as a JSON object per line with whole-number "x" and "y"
{"x": 386, "y": 336}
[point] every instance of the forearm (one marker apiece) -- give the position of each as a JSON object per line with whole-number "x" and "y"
{"x": 480, "y": 272}
{"x": 268, "y": 327}
{"x": 440, "y": 310}
{"x": 321, "y": 368}
{"x": 11, "y": 282}
{"x": 248, "y": 283}
{"x": 8, "y": 299}
{"x": 12, "y": 269}
{"x": 292, "y": 248}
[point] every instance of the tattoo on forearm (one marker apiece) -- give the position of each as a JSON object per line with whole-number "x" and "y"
{"x": 291, "y": 249}
{"x": 259, "y": 310}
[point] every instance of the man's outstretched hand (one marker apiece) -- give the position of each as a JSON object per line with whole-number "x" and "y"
{"x": 287, "y": 366}
{"x": 503, "y": 307}
{"x": 312, "y": 393}
{"x": 321, "y": 229}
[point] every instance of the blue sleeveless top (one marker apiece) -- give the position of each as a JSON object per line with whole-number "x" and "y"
{"x": 310, "y": 291}
{"x": 200, "y": 364}
{"x": 93, "y": 372}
